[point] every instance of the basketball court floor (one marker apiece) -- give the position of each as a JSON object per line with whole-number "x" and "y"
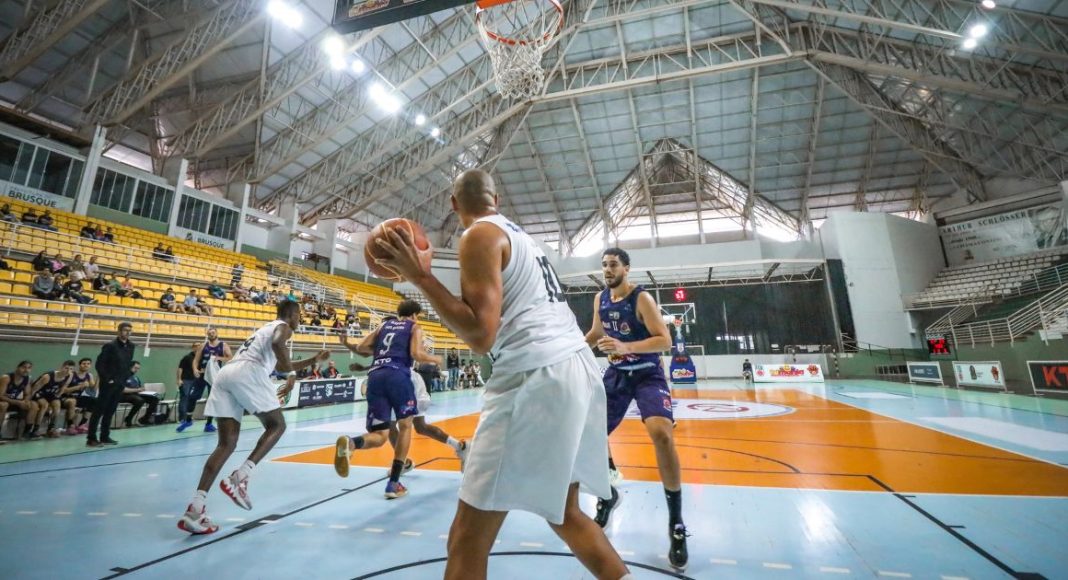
{"x": 849, "y": 479}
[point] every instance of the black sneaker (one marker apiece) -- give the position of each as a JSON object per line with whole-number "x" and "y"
{"x": 678, "y": 556}
{"x": 31, "y": 436}
{"x": 92, "y": 443}
{"x": 109, "y": 441}
{"x": 605, "y": 508}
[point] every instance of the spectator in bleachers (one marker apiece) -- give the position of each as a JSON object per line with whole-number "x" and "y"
{"x": 29, "y": 217}
{"x": 134, "y": 394}
{"x": 204, "y": 307}
{"x": 112, "y": 285}
{"x": 476, "y": 370}
{"x": 169, "y": 253}
{"x": 44, "y": 286}
{"x": 167, "y": 301}
{"x": 128, "y": 288}
{"x": 236, "y": 274}
{"x": 338, "y": 326}
{"x": 74, "y": 291}
{"x": 46, "y": 221}
{"x": 240, "y": 293}
{"x": 15, "y": 396}
{"x": 452, "y": 363}
{"x": 88, "y": 231}
{"x": 7, "y": 215}
{"x": 331, "y": 371}
{"x": 57, "y": 266}
{"x": 77, "y": 268}
{"x": 47, "y": 391}
{"x": 159, "y": 253}
{"x": 92, "y": 274}
{"x": 257, "y": 297}
{"x": 108, "y": 236}
{"x": 216, "y": 291}
{"x": 40, "y": 262}
{"x": 113, "y": 367}
{"x": 190, "y": 303}
{"x": 292, "y": 297}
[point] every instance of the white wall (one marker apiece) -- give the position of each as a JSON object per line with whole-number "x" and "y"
{"x": 446, "y": 271}
{"x": 254, "y": 235}
{"x": 884, "y": 256}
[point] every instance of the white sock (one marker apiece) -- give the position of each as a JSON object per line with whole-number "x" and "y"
{"x": 245, "y": 471}
{"x": 454, "y": 443}
{"x": 199, "y": 498}
{"x": 628, "y": 577}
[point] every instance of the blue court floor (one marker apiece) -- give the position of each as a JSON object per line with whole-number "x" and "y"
{"x": 112, "y": 512}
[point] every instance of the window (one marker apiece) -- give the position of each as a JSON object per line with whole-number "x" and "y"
{"x": 153, "y": 202}
{"x": 223, "y": 222}
{"x": 54, "y": 172}
{"x": 9, "y": 154}
{"x": 112, "y": 190}
{"x": 193, "y": 214}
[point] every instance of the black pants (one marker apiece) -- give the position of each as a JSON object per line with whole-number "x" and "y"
{"x": 106, "y": 404}
{"x": 136, "y": 402}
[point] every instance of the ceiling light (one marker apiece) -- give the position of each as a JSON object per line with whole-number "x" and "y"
{"x": 334, "y": 46}
{"x": 420, "y": 120}
{"x": 384, "y": 99}
{"x": 989, "y": 4}
{"x": 285, "y": 13}
{"x": 970, "y": 43}
{"x": 978, "y": 31}
{"x": 358, "y": 66}
{"x": 338, "y": 62}
{"x": 435, "y": 132}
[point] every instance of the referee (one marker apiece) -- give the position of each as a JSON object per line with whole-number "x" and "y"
{"x": 113, "y": 366}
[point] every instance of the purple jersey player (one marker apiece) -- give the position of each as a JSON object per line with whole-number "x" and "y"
{"x": 628, "y": 328}
{"x": 390, "y": 391}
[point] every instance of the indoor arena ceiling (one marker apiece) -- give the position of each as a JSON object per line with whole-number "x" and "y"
{"x": 668, "y": 115}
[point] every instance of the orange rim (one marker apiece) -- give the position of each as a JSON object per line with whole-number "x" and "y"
{"x": 484, "y": 5}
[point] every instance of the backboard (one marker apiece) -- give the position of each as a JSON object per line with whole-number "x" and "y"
{"x": 355, "y": 15}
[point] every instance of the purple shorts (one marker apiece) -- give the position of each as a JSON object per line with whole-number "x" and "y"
{"x": 390, "y": 393}
{"x": 646, "y": 386}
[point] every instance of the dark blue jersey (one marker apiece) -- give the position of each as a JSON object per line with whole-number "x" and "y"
{"x": 51, "y": 388}
{"x": 620, "y": 321}
{"x": 15, "y": 389}
{"x": 207, "y": 352}
{"x": 393, "y": 345}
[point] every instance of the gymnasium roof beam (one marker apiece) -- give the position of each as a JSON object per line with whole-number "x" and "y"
{"x": 639, "y": 150}
{"x": 202, "y": 41}
{"x": 45, "y": 29}
{"x": 810, "y": 161}
{"x": 754, "y": 97}
{"x": 564, "y": 244}
{"x": 861, "y": 202}
{"x": 298, "y": 68}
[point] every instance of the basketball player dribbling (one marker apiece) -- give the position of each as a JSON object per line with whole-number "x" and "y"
{"x": 390, "y": 391}
{"x": 244, "y": 384}
{"x": 627, "y": 326}
{"x": 545, "y": 393}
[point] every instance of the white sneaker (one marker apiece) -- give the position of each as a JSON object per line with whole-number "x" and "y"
{"x": 461, "y": 454}
{"x": 197, "y": 523}
{"x": 615, "y": 477}
{"x": 237, "y": 490}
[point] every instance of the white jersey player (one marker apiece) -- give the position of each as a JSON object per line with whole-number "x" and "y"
{"x": 244, "y": 384}
{"x": 545, "y": 393}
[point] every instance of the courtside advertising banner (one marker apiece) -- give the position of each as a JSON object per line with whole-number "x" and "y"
{"x": 925, "y": 372}
{"x": 1048, "y": 376}
{"x": 987, "y": 374}
{"x": 788, "y": 373}
{"x": 326, "y": 391}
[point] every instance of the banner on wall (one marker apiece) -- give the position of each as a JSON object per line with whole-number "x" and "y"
{"x": 925, "y": 372}
{"x": 1048, "y": 376}
{"x": 205, "y": 239}
{"x": 36, "y": 196}
{"x": 787, "y": 373}
{"x": 326, "y": 391}
{"x": 986, "y": 374}
{"x": 1006, "y": 234}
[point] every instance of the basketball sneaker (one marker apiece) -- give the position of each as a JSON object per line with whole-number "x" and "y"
{"x": 678, "y": 556}
{"x": 210, "y": 428}
{"x": 615, "y": 477}
{"x": 461, "y": 453}
{"x": 183, "y": 426}
{"x": 237, "y": 490}
{"x": 341, "y": 456}
{"x": 605, "y": 507}
{"x": 197, "y": 523}
{"x": 395, "y": 489}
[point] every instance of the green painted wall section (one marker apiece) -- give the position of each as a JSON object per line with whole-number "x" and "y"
{"x": 126, "y": 219}
{"x": 1013, "y": 357}
{"x": 863, "y": 363}
{"x": 262, "y": 253}
{"x": 159, "y": 367}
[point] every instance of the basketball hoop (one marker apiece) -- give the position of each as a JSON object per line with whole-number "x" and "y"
{"x": 516, "y": 33}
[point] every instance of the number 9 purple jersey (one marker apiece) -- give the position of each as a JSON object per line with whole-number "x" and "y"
{"x": 393, "y": 345}
{"x": 620, "y": 321}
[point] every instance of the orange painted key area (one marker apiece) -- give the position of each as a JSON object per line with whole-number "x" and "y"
{"x": 821, "y": 444}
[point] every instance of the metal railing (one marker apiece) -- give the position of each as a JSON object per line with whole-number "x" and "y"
{"x": 336, "y": 296}
{"x": 1040, "y": 314}
{"x": 1035, "y": 282}
{"x": 18, "y": 240}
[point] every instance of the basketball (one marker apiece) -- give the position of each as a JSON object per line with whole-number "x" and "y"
{"x": 371, "y": 251}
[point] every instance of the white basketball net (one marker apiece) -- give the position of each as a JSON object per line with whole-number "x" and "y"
{"x": 516, "y": 35}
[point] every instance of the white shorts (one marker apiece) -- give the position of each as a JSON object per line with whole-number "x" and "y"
{"x": 422, "y": 398}
{"x": 540, "y": 431}
{"x": 239, "y": 387}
